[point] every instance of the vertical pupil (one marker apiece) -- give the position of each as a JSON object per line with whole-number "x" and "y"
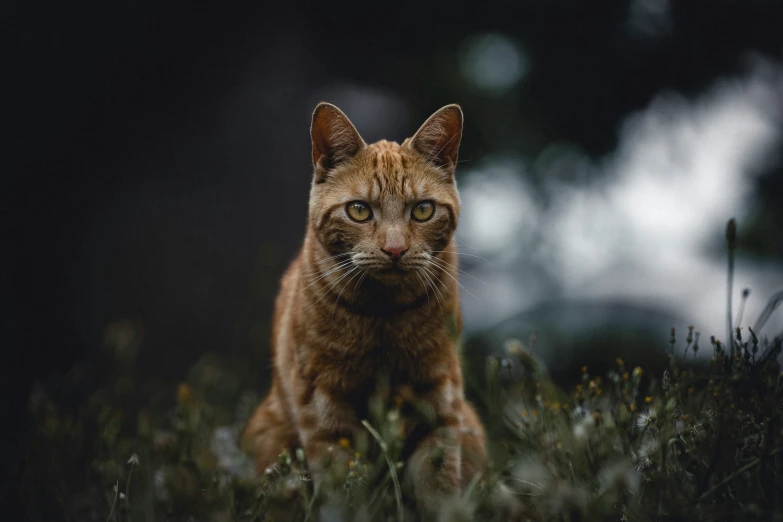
{"x": 359, "y": 210}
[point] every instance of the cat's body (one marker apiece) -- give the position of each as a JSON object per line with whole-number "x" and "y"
{"x": 373, "y": 293}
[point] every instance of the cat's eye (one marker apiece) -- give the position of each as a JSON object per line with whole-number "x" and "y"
{"x": 358, "y": 211}
{"x": 423, "y": 210}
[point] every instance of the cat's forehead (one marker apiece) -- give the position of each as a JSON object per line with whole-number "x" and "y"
{"x": 388, "y": 156}
{"x": 390, "y": 170}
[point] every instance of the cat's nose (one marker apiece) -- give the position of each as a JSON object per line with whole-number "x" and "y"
{"x": 395, "y": 253}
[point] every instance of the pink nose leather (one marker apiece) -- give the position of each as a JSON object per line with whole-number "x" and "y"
{"x": 395, "y": 252}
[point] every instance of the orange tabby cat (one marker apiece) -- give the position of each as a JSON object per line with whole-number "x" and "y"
{"x": 374, "y": 292}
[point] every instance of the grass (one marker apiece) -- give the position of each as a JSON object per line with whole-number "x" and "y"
{"x": 701, "y": 441}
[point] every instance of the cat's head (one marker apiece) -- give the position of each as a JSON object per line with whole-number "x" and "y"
{"x": 391, "y": 208}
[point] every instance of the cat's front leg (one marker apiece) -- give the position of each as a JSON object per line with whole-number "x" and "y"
{"x": 326, "y": 454}
{"x": 325, "y": 424}
{"x": 435, "y": 467}
{"x": 269, "y": 432}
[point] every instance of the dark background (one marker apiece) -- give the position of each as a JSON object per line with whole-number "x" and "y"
{"x": 160, "y": 150}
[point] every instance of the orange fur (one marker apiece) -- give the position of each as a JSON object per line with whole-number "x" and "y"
{"x": 347, "y": 312}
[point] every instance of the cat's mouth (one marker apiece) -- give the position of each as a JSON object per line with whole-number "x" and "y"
{"x": 392, "y": 274}
{"x": 386, "y": 270}
{"x": 393, "y": 270}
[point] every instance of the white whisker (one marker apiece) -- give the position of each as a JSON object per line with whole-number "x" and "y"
{"x": 438, "y": 279}
{"x": 459, "y": 270}
{"x": 324, "y": 260}
{"x": 360, "y": 272}
{"x": 445, "y": 271}
{"x": 326, "y": 291}
{"x": 459, "y": 242}
{"x": 428, "y": 282}
{"x": 329, "y": 269}
{"x": 457, "y": 254}
{"x": 426, "y": 290}
{"x": 438, "y": 295}
{"x": 360, "y": 281}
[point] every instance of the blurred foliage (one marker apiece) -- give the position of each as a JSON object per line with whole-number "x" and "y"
{"x": 701, "y": 441}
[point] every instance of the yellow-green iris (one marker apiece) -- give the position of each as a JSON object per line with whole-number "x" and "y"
{"x": 423, "y": 210}
{"x": 358, "y": 211}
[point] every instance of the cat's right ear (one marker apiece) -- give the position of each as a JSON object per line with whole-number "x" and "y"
{"x": 335, "y": 139}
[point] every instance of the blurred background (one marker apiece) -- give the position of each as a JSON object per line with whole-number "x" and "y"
{"x": 164, "y": 165}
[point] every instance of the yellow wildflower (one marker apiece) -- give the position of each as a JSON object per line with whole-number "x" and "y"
{"x": 184, "y": 393}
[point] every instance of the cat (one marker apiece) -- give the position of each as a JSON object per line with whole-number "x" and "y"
{"x": 373, "y": 292}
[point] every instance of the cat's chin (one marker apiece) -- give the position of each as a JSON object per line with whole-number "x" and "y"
{"x": 393, "y": 275}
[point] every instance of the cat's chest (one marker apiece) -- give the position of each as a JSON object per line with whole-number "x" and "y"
{"x": 352, "y": 354}
{"x": 399, "y": 350}
{"x": 390, "y": 339}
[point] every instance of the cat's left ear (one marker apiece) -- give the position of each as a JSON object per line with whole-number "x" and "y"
{"x": 438, "y": 139}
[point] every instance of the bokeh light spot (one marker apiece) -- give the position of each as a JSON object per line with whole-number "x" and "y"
{"x": 493, "y": 63}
